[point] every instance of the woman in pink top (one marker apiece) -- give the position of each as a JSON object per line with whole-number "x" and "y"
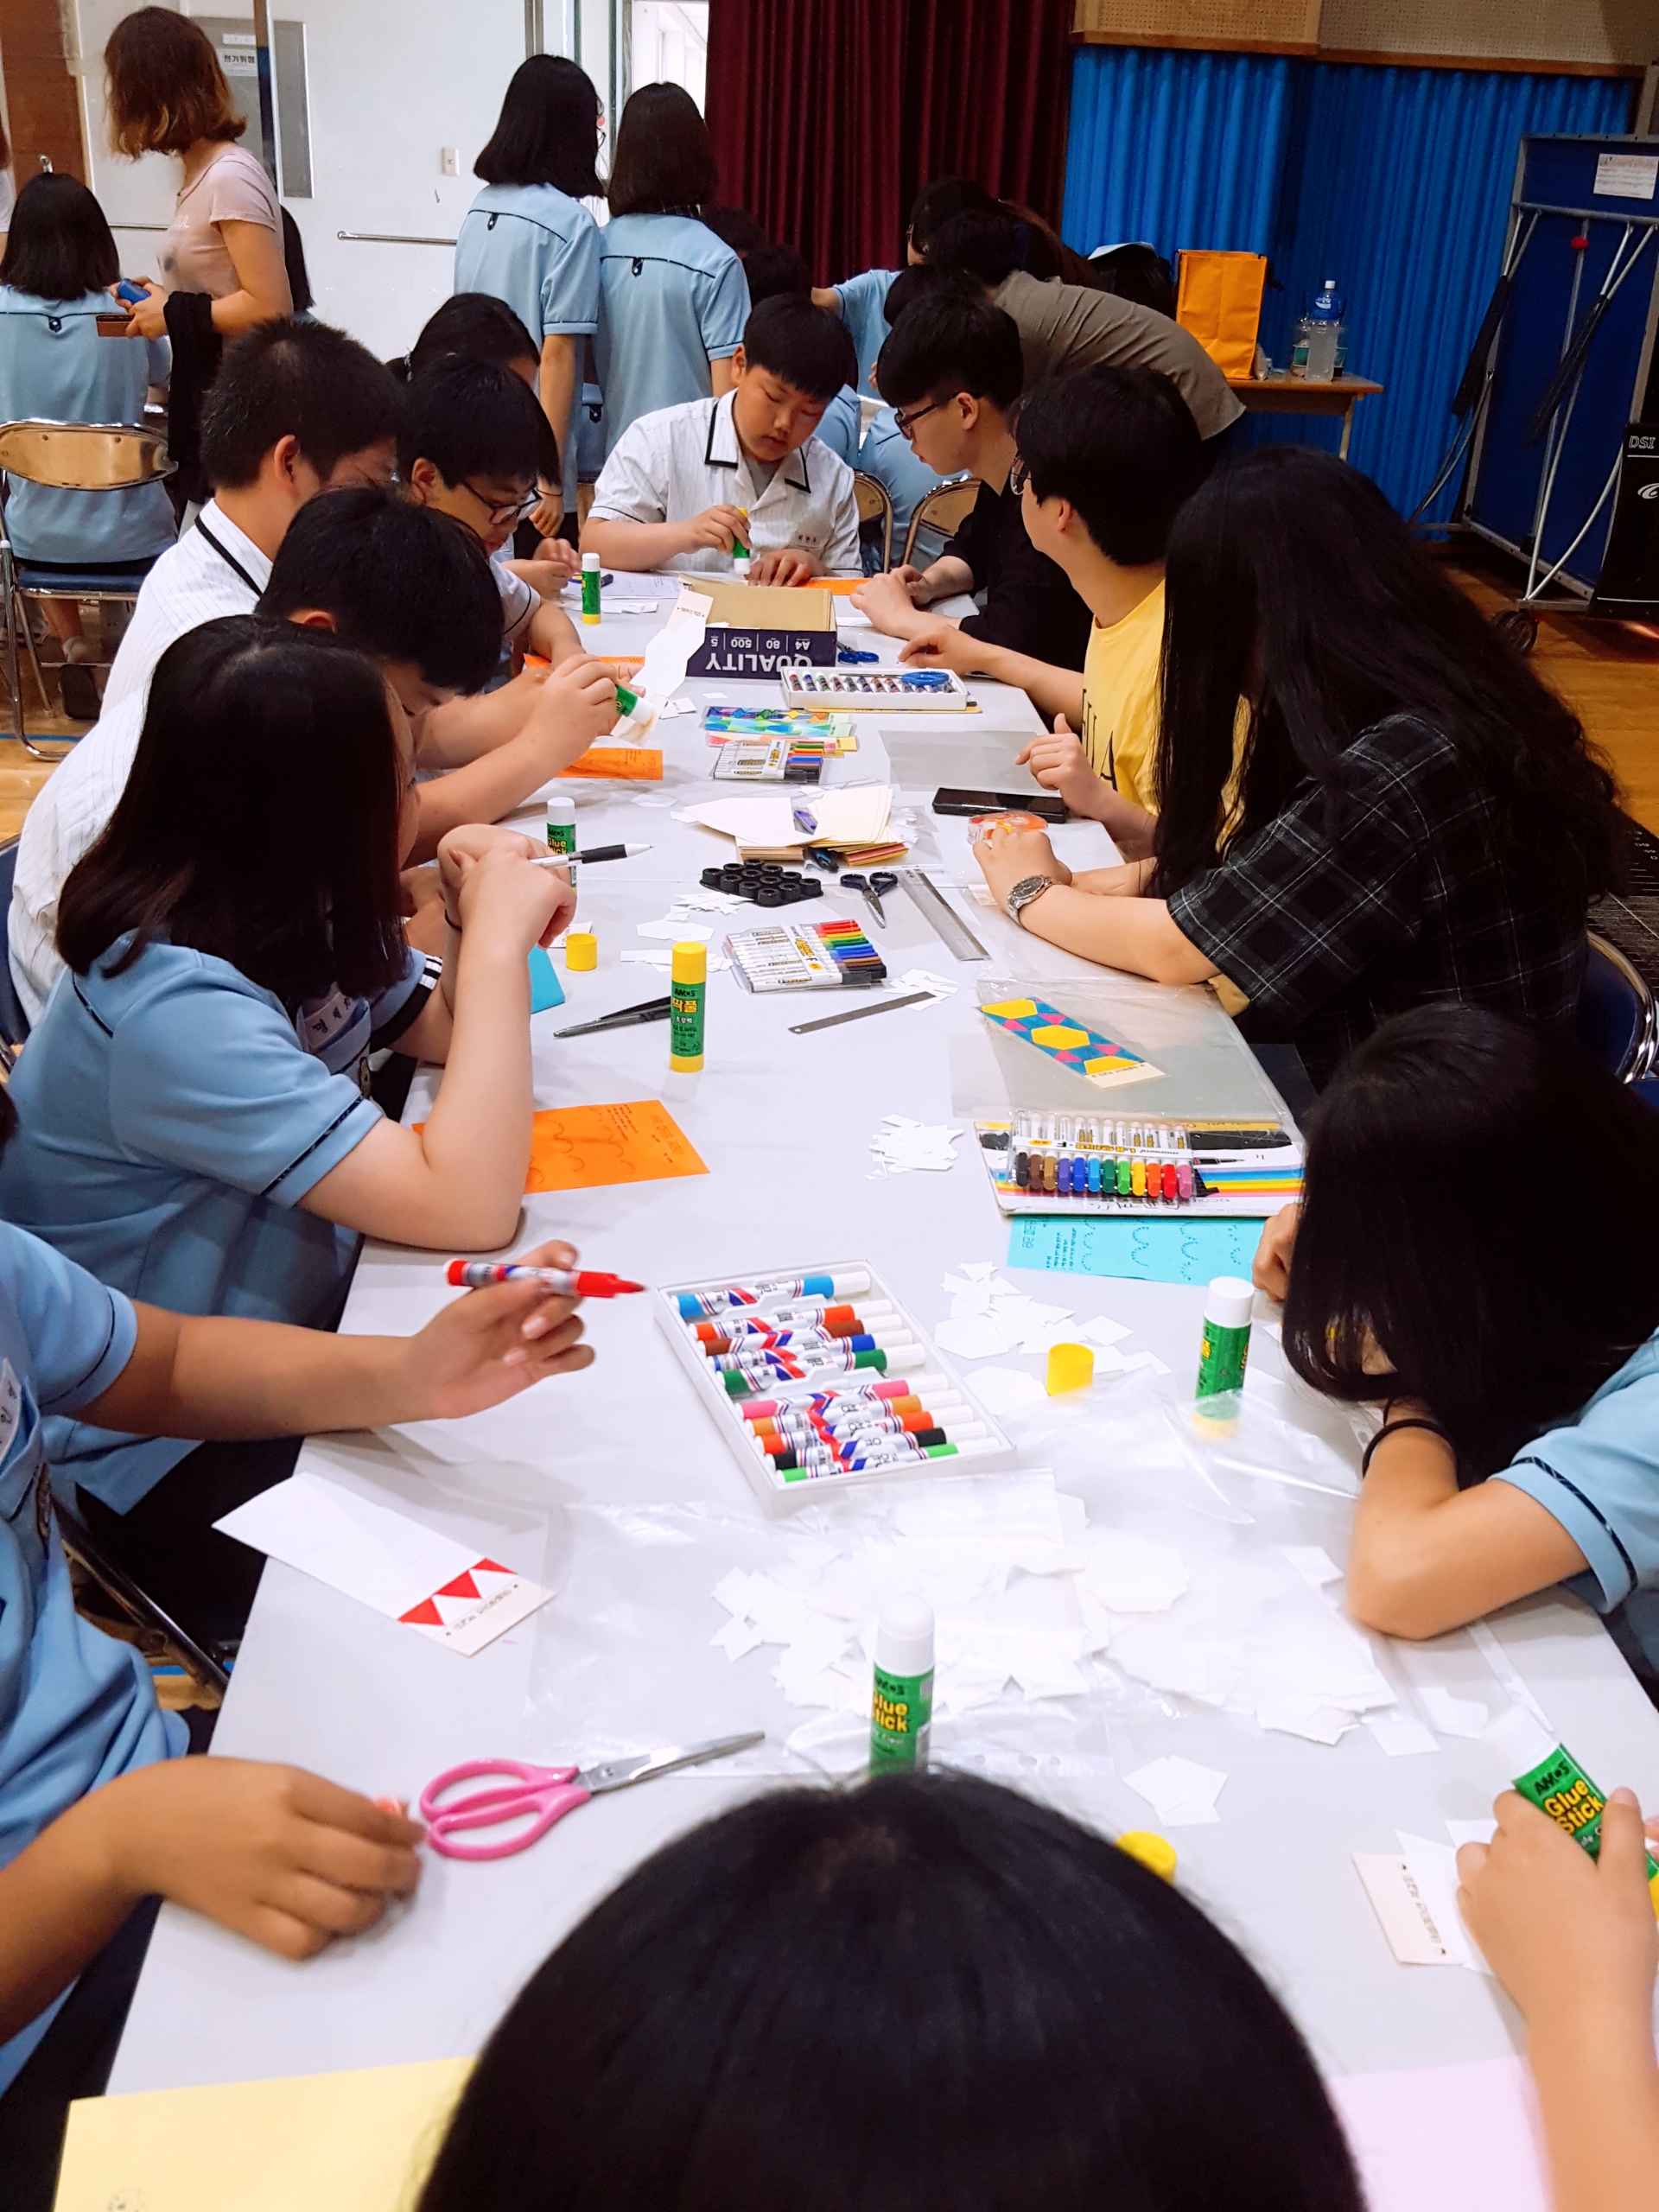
{"x": 167, "y": 95}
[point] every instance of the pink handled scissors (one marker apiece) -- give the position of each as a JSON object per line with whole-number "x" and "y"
{"x": 543, "y": 1794}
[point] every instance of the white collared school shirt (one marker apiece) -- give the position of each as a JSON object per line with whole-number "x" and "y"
{"x": 671, "y": 465}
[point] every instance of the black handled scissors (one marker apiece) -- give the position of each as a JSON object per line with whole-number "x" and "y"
{"x": 872, "y": 887}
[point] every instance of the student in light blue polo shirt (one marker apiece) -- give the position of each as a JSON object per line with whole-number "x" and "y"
{"x": 672, "y": 299}
{"x": 859, "y": 302}
{"x": 528, "y": 239}
{"x": 99, "y": 1811}
{"x": 1517, "y": 1372}
{"x": 60, "y": 263}
{"x": 195, "y": 1124}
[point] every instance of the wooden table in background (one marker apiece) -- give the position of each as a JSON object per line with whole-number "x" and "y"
{"x": 1302, "y": 396}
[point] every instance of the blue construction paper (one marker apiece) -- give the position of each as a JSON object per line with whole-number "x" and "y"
{"x": 1162, "y": 1249}
{"x": 545, "y": 989}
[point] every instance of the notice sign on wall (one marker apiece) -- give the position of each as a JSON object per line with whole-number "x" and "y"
{"x": 1627, "y": 176}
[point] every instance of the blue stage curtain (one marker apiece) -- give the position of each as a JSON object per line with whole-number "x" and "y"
{"x": 1396, "y": 182}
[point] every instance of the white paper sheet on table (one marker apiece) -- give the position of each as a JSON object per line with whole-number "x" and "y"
{"x": 386, "y": 1561}
{"x": 845, "y": 814}
{"x": 1182, "y": 1793}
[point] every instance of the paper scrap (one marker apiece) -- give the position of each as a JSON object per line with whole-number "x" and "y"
{"x": 385, "y": 1560}
{"x": 620, "y": 764}
{"x": 1182, "y": 1793}
{"x": 1103, "y": 1331}
{"x": 676, "y": 925}
{"x": 664, "y": 961}
{"x": 1398, "y": 1736}
{"x": 923, "y": 979}
{"x": 1407, "y": 1919}
{"x": 1296, "y": 1714}
{"x": 1194, "y": 1249}
{"x": 1003, "y": 1389}
{"x": 1454, "y": 1716}
{"x": 1462, "y": 1832}
{"x": 1433, "y": 1868}
{"x": 900, "y": 1145}
{"x": 577, "y": 1147}
{"x": 974, "y": 1337}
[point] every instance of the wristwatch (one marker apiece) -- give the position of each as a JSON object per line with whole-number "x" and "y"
{"x": 1027, "y": 888}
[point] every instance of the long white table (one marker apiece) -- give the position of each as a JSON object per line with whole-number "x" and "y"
{"x": 784, "y": 1124}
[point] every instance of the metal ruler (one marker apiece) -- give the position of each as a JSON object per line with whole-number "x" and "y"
{"x": 941, "y": 916}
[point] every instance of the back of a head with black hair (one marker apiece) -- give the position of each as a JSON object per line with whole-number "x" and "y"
{"x": 1137, "y": 272}
{"x": 260, "y": 822}
{"x": 914, "y": 282}
{"x": 402, "y": 582}
{"x": 548, "y": 130}
{"x": 1291, "y": 578}
{"x": 987, "y": 243}
{"x": 664, "y": 160}
{"x": 473, "y": 419}
{"x": 741, "y": 230}
{"x": 1122, "y": 446}
{"x": 470, "y": 326}
{"x": 771, "y": 270}
{"x": 951, "y": 340}
{"x": 921, "y": 1991}
{"x": 58, "y": 246}
{"x": 1411, "y": 1239}
{"x": 801, "y": 345}
{"x": 304, "y": 380}
{"x": 937, "y": 202}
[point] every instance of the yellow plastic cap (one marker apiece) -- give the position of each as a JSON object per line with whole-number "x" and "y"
{"x": 1070, "y": 1367}
{"x": 689, "y": 964}
{"x": 1154, "y": 1851}
{"x": 581, "y": 950}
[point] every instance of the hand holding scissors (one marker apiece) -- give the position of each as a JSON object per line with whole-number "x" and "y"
{"x": 544, "y": 1795}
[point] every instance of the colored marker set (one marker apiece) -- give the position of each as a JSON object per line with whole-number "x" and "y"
{"x": 804, "y": 956}
{"x": 880, "y": 691}
{"x": 823, "y": 1378}
{"x": 773, "y": 760}
{"x": 1098, "y": 1165}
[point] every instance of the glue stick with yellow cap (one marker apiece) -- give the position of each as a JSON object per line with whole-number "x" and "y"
{"x": 688, "y": 979}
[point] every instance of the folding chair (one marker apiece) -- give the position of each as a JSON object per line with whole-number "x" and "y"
{"x": 874, "y": 506}
{"x": 945, "y": 510}
{"x": 73, "y": 457}
{"x": 14, "y": 1022}
{"x": 1618, "y": 1023}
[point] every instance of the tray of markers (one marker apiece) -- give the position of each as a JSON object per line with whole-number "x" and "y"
{"x": 805, "y": 957}
{"x": 823, "y": 1378}
{"x": 1097, "y": 1163}
{"x": 773, "y": 760}
{"x": 879, "y": 690}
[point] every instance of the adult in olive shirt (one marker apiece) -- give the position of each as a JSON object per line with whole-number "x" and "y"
{"x": 951, "y": 370}
{"x": 1067, "y": 326}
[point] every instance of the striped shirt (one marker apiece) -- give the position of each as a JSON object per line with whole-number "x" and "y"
{"x": 192, "y": 583}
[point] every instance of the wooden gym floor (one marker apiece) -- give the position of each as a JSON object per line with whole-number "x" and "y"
{"x": 1609, "y": 672}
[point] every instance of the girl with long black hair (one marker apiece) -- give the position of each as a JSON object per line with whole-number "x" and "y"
{"x": 1417, "y": 817}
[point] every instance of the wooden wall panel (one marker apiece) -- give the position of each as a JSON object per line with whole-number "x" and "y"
{"x": 42, "y": 105}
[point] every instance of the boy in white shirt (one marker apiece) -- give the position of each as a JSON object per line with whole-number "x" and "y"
{"x": 686, "y": 486}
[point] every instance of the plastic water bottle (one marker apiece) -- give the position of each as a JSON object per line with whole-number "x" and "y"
{"x": 1324, "y": 333}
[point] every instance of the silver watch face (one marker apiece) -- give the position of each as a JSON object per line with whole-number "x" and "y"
{"x": 1027, "y": 888}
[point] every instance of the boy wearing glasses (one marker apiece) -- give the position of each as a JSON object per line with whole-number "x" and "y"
{"x": 476, "y": 445}
{"x": 951, "y": 369}
{"x": 686, "y": 487}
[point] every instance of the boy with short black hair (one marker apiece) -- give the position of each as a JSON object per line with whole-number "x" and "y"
{"x": 477, "y": 444}
{"x": 686, "y": 485}
{"x": 951, "y": 370}
{"x": 1106, "y": 459}
{"x": 298, "y": 408}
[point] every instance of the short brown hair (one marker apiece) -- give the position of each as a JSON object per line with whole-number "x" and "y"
{"x": 166, "y": 89}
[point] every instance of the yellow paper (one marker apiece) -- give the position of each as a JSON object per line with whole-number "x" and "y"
{"x": 623, "y": 764}
{"x": 575, "y": 1147}
{"x": 357, "y": 2142}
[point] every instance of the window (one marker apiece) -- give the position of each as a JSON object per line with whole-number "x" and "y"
{"x": 668, "y": 44}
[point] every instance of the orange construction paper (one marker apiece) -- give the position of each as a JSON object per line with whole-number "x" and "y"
{"x": 623, "y": 764}
{"x": 575, "y": 1147}
{"x": 842, "y": 586}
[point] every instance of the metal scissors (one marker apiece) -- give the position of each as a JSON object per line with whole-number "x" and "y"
{"x": 874, "y": 887}
{"x": 544, "y": 1795}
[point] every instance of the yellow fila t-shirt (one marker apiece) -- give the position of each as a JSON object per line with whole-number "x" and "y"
{"x": 1120, "y": 700}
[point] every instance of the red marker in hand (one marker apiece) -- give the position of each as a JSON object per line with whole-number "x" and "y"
{"x": 476, "y": 1275}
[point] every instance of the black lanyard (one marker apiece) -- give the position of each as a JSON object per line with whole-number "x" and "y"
{"x": 227, "y": 556}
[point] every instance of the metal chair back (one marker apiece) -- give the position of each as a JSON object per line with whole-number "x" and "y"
{"x": 1618, "y": 1022}
{"x": 945, "y": 510}
{"x": 83, "y": 456}
{"x": 875, "y": 505}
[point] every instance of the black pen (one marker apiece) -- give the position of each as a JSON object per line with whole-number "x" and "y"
{"x": 623, "y": 1017}
{"x": 612, "y": 853}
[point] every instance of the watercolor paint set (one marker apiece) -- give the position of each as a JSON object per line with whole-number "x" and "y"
{"x": 805, "y": 957}
{"x": 879, "y": 690}
{"x": 1044, "y": 1163}
{"x": 823, "y": 1378}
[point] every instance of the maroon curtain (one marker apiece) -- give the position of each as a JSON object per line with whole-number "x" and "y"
{"x": 828, "y": 114}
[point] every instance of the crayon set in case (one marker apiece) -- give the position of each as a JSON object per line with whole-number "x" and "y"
{"x": 823, "y": 1378}
{"x": 804, "y": 956}
{"x": 1094, "y": 1163}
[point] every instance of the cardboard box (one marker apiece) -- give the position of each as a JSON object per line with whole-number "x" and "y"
{"x": 757, "y": 629}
